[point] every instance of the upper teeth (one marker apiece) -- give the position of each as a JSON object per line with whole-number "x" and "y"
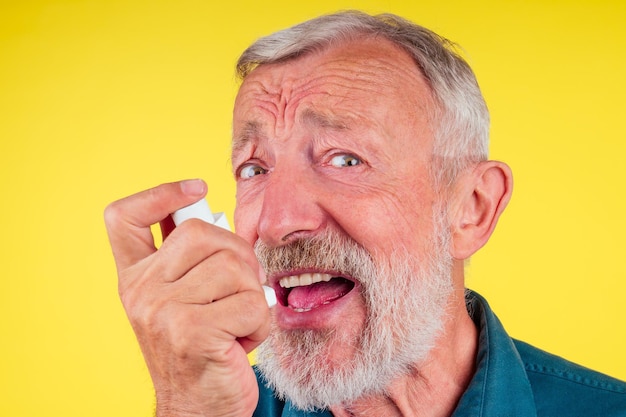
{"x": 303, "y": 279}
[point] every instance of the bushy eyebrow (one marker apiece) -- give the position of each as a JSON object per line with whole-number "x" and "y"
{"x": 249, "y": 133}
{"x": 253, "y": 130}
{"x": 322, "y": 120}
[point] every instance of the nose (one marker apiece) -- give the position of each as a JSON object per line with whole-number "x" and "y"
{"x": 291, "y": 209}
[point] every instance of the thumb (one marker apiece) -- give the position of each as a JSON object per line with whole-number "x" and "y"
{"x": 128, "y": 220}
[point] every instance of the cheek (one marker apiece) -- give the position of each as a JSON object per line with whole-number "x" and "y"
{"x": 412, "y": 215}
{"x": 246, "y": 218}
{"x": 380, "y": 218}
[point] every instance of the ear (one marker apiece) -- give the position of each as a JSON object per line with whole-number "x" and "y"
{"x": 477, "y": 202}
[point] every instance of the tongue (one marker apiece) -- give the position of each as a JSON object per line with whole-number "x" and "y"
{"x": 315, "y": 295}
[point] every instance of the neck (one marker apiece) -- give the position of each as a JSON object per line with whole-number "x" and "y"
{"x": 434, "y": 388}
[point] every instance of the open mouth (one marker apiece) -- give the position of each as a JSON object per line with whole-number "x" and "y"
{"x": 307, "y": 291}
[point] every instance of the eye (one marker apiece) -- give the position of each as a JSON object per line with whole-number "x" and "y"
{"x": 344, "y": 160}
{"x": 249, "y": 171}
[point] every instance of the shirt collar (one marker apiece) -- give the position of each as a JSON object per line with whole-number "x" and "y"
{"x": 500, "y": 386}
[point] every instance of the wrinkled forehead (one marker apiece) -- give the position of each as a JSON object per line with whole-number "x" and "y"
{"x": 368, "y": 51}
{"x": 365, "y": 78}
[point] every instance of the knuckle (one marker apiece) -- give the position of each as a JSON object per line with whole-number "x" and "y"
{"x": 230, "y": 260}
{"x": 150, "y": 315}
{"x": 179, "y": 340}
{"x": 143, "y": 312}
{"x": 113, "y": 213}
{"x": 253, "y": 306}
{"x": 129, "y": 298}
{"x": 181, "y": 330}
{"x": 195, "y": 230}
{"x": 193, "y": 233}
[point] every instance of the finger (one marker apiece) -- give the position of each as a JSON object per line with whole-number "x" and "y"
{"x": 193, "y": 242}
{"x": 217, "y": 277}
{"x": 243, "y": 316}
{"x": 128, "y": 220}
{"x": 209, "y": 331}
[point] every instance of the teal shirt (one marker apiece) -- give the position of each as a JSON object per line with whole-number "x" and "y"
{"x": 512, "y": 379}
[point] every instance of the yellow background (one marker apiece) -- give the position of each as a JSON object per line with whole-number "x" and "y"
{"x": 102, "y": 98}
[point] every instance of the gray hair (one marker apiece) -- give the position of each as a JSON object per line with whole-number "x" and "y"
{"x": 461, "y": 116}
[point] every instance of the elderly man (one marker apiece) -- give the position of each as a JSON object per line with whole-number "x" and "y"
{"x": 363, "y": 184}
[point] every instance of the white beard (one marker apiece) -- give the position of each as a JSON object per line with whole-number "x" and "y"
{"x": 406, "y": 301}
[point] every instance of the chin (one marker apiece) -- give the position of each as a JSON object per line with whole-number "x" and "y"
{"x": 359, "y": 344}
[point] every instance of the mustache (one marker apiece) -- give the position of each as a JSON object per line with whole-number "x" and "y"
{"x": 330, "y": 251}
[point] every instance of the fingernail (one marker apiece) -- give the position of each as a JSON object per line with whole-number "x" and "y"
{"x": 194, "y": 188}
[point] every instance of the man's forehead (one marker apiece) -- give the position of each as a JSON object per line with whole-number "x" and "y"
{"x": 367, "y": 53}
{"x": 253, "y": 130}
{"x": 338, "y": 85}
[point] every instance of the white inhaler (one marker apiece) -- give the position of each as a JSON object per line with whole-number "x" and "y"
{"x": 201, "y": 210}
